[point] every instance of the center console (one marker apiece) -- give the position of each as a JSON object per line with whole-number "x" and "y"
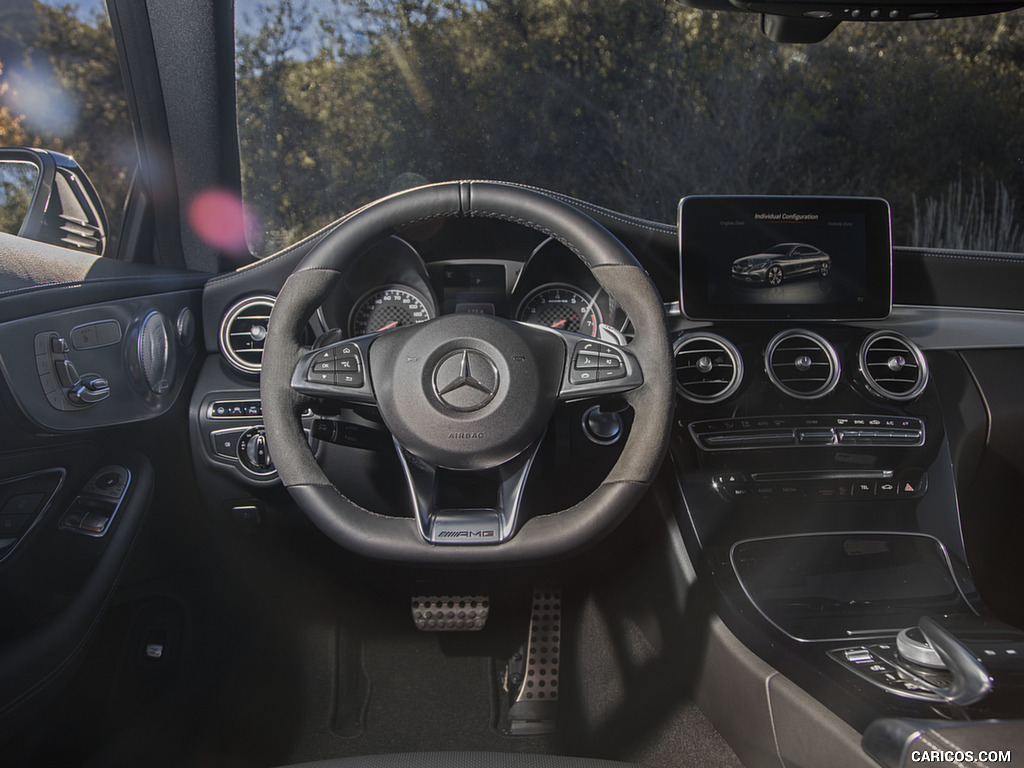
{"x": 813, "y": 470}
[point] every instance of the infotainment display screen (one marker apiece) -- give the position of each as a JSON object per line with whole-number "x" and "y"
{"x": 775, "y": 258}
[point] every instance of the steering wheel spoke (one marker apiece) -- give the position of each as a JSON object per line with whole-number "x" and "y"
{"x": 473, "y": 526}
{"x": 596, "y": 368}
{"x": 337, "y": 371}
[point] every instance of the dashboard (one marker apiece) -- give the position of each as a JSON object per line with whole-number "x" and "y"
{"x": 815, "y": 462}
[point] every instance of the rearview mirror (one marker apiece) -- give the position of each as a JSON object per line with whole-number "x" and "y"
{"x": 810, "y": 21}
{"x": 45, "y": 196}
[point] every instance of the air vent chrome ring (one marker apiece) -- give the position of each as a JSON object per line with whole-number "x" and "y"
{"x": 892, "y": 366}
{"x": 802, "y": 364}
{"x": 243, "y": 332}
{"x": 712, "y": 368}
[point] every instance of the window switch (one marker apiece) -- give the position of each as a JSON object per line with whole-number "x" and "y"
{"x": 94, "y": 523}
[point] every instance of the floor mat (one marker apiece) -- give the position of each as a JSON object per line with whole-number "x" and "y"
{"x": 394, "y": 688}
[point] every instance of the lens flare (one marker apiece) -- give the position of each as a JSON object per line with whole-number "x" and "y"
{"x": 45, "y": 106}
{"x": 222, "y": 220}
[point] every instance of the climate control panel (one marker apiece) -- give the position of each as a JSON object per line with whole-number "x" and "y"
{"x": 807, "y": 432}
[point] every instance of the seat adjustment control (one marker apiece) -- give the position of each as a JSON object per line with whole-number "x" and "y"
{"x": 65, "y": 389}
{"x": 89, "y": 389}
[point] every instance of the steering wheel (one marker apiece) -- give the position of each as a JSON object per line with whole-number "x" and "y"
{"x": 467, "y": 392}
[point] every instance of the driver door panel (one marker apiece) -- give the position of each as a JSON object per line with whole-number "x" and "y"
{"x": 77, "y": 478}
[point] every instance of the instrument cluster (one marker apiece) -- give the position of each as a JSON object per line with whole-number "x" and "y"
{"x": 394, "y": 286}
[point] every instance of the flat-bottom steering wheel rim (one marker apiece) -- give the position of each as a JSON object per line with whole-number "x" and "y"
{"x": 541, "y": 538}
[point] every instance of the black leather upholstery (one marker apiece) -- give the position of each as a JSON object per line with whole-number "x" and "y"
{"x": 462, "y": 760}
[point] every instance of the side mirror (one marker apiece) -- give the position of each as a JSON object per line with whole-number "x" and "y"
{"x": 52, "y": 198}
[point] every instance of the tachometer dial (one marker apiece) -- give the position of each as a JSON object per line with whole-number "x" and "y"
{"x": 387, "y": 308}
{"x": 563, "y": 307}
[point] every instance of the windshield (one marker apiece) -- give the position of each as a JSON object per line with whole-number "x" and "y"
{"x": 630, "y": 105}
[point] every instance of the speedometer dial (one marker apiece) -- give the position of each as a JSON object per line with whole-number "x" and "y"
{"x": 563, "y": 307}
{"x": 387, "y": 308}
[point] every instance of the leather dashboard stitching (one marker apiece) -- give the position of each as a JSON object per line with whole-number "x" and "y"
{"x": 533, "y": 226}
{"x": 307, "y": 242}
{"x": 98, "y": 281}
{"x": 652, "y": 226}
{"x": 952, "y": 253}
{"x": 968, "y": 257}
{"x": 500, "y": 217}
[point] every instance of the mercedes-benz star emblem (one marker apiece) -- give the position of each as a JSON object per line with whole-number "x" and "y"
{"x": 466, "y": 380}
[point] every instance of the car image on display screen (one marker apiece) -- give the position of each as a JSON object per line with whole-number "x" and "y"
{"x": 760, "y": 257}
{"x": 782, "y": 262}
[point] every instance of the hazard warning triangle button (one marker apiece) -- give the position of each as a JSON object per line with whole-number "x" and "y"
{"x": 911, "y": 486}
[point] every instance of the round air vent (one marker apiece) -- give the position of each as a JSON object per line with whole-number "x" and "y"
{"x": 243, "y": 332}
{"x": 802, "y": 364}
{"x": 893, "y": 366}
{"x": 708, "y": 368}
